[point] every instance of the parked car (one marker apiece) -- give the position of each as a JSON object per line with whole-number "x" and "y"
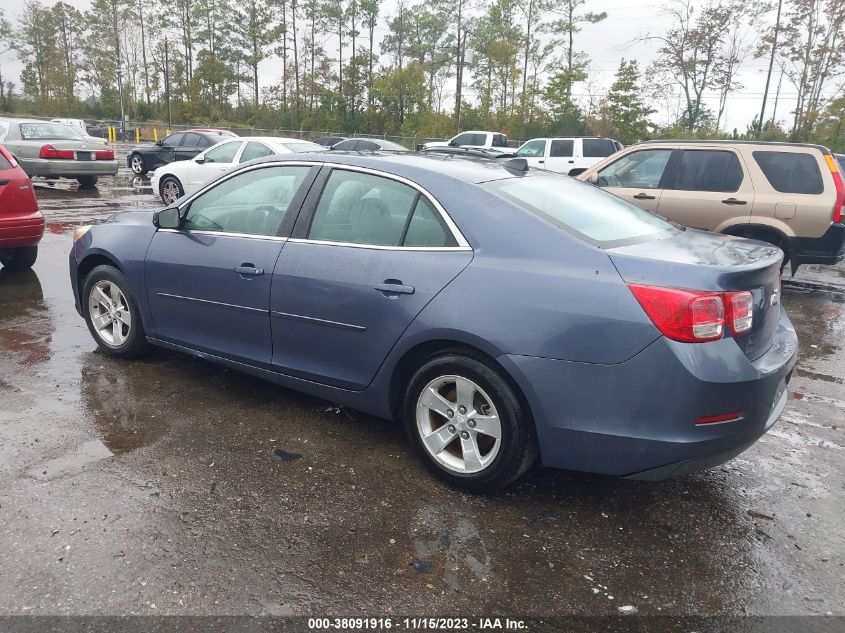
{"x": 570, "y": 156}
{"x": 328, "y": 141}
{"x": 176, "y": 146}
{"x": 21, "y": 223}
{"x": 471, "y": 152}
{"x": 491, "y": 310}
{"x": 78, "y": 125}
{"x": 125, "y": 131}
{"x": 473, "y": 138}
{"x": 787, "y": 194}
{"x": 174, "y": 180}
{"x": 53, "y": 150}
{"x": 368, "y": 145}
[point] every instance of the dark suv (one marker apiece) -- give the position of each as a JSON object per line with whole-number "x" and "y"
{"x": 177, "y": 146}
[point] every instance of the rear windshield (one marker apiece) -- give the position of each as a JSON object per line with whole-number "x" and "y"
{"x": 598, "y": 147}
{"x": 305, "y": 146}
{"x": 47, "y": 132}
{"x": 791, "y": 172}
{"x": 593, "y": 215}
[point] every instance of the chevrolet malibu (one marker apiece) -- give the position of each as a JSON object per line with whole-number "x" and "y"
{"x": 501, "y": 314}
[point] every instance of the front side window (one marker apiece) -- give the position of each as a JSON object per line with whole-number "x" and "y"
{"x": 253, "y": 202}
{"x": 224, "y": 153}
{"x": 532, "y": 149}
{"x": 708, "y": 170}
{"x": 597, "y": 147}
{"x": 253, "y": 150}
{"x": 791, "y": 172}
{"x": 173, "y": 140}
{"x": 360, "y": 208}
{"x": 463, "y": 139}
{"x": 562, "y": 148}
{"x": 589, "y": 213}
{"x": 640, "y": 170}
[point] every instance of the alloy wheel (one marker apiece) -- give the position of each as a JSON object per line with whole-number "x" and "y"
{"x": 458, "y": 424}
{"x": 109, "y": 312}
{"x": 170, "y": 191}
{"x": 137, "y": 164}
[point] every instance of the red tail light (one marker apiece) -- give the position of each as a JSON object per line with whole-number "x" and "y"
{"x": 694, "y": 316}
{"x": 48, "y": 151}
{"x": 840, "y": 188}
{"x": 735, "y": 416}
{"x": 105, "y": 155}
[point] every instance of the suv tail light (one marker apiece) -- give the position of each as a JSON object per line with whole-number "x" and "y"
{"x": 695, "y": 316}
{"x": 840, "y": 188}
{"x": 48, "y": 151}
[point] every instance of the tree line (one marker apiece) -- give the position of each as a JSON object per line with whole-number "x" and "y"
{"x": 425, "y": 67}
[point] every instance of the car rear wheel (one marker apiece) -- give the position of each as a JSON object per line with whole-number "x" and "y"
{"x": 137, "y": 165}
{"x": 111, "y": 313}
{"x": 87, "y": 182}
{"x": 171, "y": 189}
{"x": 19, "y": 258}
{"x": 468, "y": 424}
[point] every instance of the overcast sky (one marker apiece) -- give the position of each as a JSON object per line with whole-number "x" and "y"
{"x": 620, "y": 35}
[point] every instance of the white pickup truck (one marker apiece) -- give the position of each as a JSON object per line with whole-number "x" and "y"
{"x": 472, "y": 138}
{"x": 569, "y": 156}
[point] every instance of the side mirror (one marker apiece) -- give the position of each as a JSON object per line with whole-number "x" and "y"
{"x": 593, "y": 178}
{"x": 199, "y": 160}
{"x": 167, "y": 218}
{"x": 453, "y": 144}
{"x": 159, "y": 142}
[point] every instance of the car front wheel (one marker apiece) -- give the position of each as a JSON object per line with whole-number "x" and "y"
{"x": 19, "y": 258}
{"x": 468, "y": 424}
{"x": 171, "y": 190}
{"x": 137, "y": 165}
{"x": 111, "y": 313}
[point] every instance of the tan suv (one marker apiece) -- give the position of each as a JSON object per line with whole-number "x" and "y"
{"x": 788, "y": 194}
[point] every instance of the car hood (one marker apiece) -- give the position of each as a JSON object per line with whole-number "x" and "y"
{"x": 135, "y": 218}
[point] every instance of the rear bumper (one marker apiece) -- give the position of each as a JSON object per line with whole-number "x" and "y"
{"x": 68, "y": 168}
{"x": 827, "y": 249}
{"x": 637, "y": 418}
{"x": 21, "y": 231}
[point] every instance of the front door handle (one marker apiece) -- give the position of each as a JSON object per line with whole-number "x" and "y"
{"x": 394, "y": 287}
{"x": 248, "y": 270}
{"x": 643, "y": 196}
{"x": 541, "y": 161}
{"x": 733, "y": 201}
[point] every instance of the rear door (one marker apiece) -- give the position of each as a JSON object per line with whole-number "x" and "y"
{"x": 189, "y": 147}
{"x": 637, "y": 176}
{"x": 707, "y": 189}
{"x": 591, "y": 151}
{"x": 370, "y": 252}
{"x": 561, "y": 155}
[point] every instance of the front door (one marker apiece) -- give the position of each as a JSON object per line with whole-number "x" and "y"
{"x": 637, "y": 176}
{"x": 375, "y": 253}
{"x": 211, "y": 164}
{"x": 208, "y": 283}
{"x": 534, "y": 152}
{"x": 707, "y": 189}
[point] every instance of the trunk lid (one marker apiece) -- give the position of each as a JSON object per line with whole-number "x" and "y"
{"x": 697, "y": 260}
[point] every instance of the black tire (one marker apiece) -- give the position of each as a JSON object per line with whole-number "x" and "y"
{"x": 87, "y": 182}
{"x": 518, "y": 450}
{"x": 137, "y": 164}
{"x": 19, "y": 258}
{"x": 170, "y": 180}
{"x": 136, "y": 341}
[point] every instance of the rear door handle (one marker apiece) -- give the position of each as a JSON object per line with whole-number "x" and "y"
{"x": 394, "y": 287}
{"x": 249, "y": 269}
{"x": 733, "y": 201}
{"x": 643, "y": 196}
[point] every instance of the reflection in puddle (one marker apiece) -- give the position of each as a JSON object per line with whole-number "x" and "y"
{"x": 26, "y": 328}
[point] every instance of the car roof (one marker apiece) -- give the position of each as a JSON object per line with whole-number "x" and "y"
{"x": 23, "y": 120}
{"x": 468, "y": 169}
{"x": 724, "y": 141}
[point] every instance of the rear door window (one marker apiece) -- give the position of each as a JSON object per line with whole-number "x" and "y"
{"x": 708, "y": 170}
{"x": 562, "y": 148}
{"x": 597, "y": 147}
{"x": 790, "y": 172}
{"x": 254, "y": 149}
{"x": 500, "y": 140}
{"x": 191, "y": 140}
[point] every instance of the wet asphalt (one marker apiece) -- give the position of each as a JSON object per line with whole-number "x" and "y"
{"x": 173, "y": 486}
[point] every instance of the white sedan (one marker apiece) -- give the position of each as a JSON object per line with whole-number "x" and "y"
{"x": 171, "y": 182}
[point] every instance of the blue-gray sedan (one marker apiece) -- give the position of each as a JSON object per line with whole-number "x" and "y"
{"x": 500, "y": 313}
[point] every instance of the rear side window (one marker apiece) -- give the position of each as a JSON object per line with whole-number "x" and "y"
{"x": 593, "y": 215}
{"x": 791, "y": 172}
{"x": 598, "y": 147}
{"x": 562, "y": 148}
{"x": 426, "y": 227}
{"x": 254, "y": 149}
{"x": 706, "y": 170}
{"x": 478, "y": 139}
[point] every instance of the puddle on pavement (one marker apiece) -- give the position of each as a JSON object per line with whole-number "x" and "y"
{"x": 71, "y": 462}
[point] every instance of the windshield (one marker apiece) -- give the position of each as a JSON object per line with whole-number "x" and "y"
{"x": 593, "y": 215}
{"x": 304, "y": 147}
{"x": 48, "y": 132}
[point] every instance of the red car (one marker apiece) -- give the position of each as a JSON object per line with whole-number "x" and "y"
{"x": 21, "y": 223}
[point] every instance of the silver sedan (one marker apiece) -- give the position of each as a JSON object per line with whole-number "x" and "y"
{"x": 44, "y": 148}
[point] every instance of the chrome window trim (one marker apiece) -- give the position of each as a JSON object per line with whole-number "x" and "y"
{"x": 378, "y": 247}
{"x": 462, "y": 243}
{"x": 255, "y": 236}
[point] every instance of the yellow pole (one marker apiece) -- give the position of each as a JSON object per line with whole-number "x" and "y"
{"x": 137, "y": 135}
{"x": 111, "y": 133}
{"x": 155, "y": 134}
